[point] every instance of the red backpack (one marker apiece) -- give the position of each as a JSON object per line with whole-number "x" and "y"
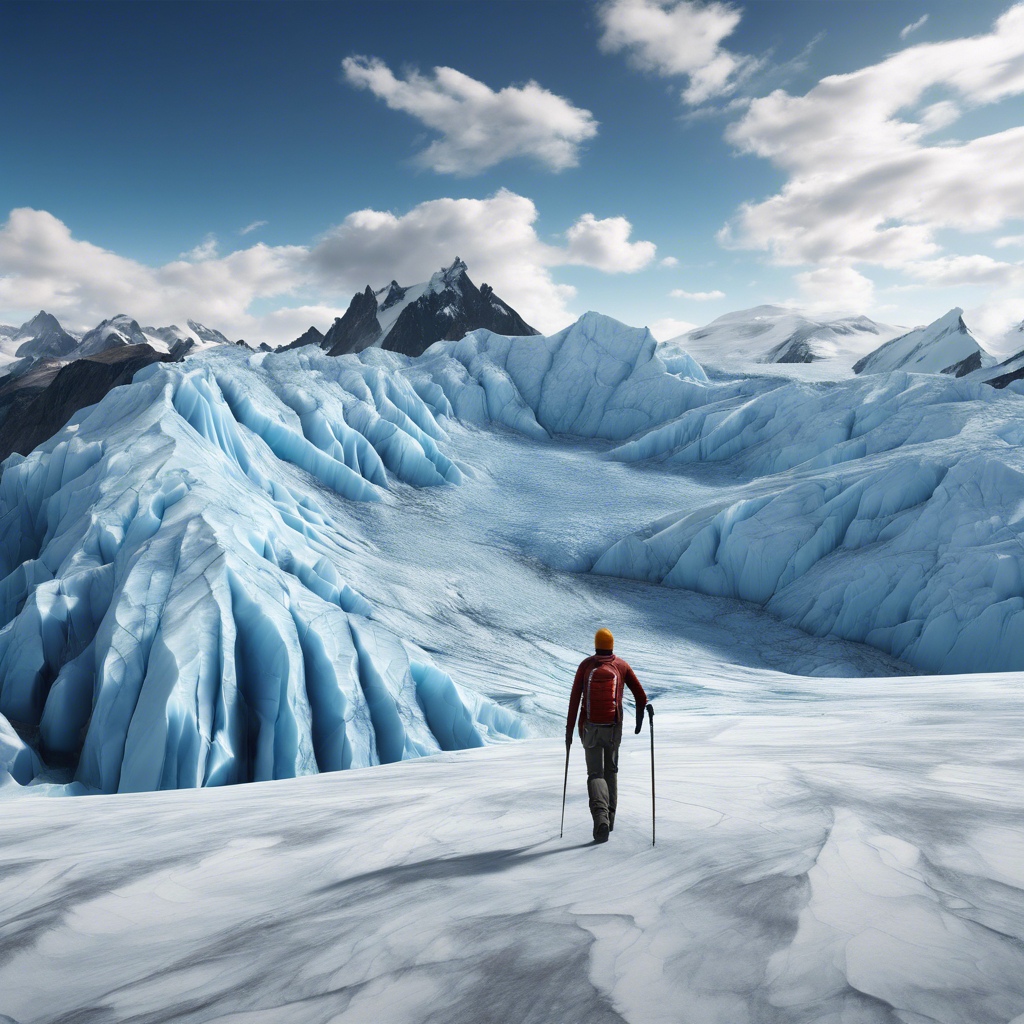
{"x": 601, "y": 694}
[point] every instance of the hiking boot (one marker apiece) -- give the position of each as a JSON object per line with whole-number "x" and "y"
{"x": 601, "y": 832}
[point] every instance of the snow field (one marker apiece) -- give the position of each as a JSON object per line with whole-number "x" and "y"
{"x": 848, "y": 853}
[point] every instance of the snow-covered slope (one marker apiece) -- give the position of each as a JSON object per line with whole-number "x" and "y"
{"x": 844, "y": 851}
{"x": 944, "y": 346}
{"x": 780, "y": 334}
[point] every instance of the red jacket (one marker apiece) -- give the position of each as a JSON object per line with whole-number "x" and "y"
{"x": 577, "y": 704}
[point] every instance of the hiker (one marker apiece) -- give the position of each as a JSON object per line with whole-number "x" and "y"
{"x": 597, "y": 696}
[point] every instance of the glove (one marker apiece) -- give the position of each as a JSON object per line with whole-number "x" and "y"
{"x": 639, "y": 721}
{"x": 568, "y": 737}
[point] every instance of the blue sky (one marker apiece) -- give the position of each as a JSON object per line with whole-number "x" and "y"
{"x": 141, "y": 139}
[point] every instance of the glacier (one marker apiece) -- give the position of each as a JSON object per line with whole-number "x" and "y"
{"x": 275, "y": 568}
{"x": 886, "y": 511}
{"x": 177, "y": 595}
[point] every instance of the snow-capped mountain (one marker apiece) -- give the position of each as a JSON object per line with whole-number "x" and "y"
{"x": 117, "y": 331}
{"x": 1012, "y": 368}
{"x": 42, "y": 337}
{"x": 944, "y": 346}
{"x": 409, "y": 320}
{"x": 780, "y": 334}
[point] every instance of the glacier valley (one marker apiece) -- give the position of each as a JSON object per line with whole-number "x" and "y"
{"x": 274, "y": 568}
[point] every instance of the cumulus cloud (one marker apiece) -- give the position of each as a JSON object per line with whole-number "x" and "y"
{"x": 679, "y": 293}
{"x": 668, "y": 328}
{"x": 1008, "y": 240}
{"x": 838, "y": 287}
{"x": 43, "y": 266}
{"x": 253, "y": 226}
{"x": 604, "y": 244}
{"x": 668, "y": 261}
{"x": 913, "y": 26}
{"x": 478, "y": 126}
{"x": 681, "y": 38}
{"x": 863, "y": 181}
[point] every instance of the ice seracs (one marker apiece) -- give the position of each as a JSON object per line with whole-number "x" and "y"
{"x": 944, "y": 346}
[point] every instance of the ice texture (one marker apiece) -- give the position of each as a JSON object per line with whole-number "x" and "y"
{"x": 18, "y": 761}
{"x": 596, "y": 378}
{"x": 840, "y": 851}
{"x": 174, "y": 614}
{"x": 887, "y": 510}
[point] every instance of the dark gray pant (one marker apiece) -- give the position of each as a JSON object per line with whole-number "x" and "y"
{"x": 601, "y": 747}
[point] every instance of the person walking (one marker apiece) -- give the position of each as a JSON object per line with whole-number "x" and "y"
{"x": 595, "y": 708}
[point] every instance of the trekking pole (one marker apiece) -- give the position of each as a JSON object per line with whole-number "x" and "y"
{"x": 650, "y": 715}
{"x": 565, "y": 785}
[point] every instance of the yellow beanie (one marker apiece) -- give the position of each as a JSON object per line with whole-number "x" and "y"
{"x": 603, "y": 640}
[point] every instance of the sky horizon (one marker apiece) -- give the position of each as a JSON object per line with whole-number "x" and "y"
{"x": 251, "y": 166}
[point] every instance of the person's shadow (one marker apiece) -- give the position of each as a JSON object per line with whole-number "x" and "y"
{"x": 463, "y": 865}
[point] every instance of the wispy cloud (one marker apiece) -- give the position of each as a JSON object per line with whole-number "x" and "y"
{"x": 668, "y": 261}
{"x": 913, "y": 26}
{"x": 253, "y": 226}
{"x": 681, "y": 38}
{"x": 205, "y": 250}
{"x": 1008, "y": 240}
{"x": 478, "y": 126}
{"x": 678, "y": 293}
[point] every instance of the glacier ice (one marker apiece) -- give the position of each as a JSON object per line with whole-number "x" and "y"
{"x": 886, "y": 510}
{"x": 174, "y": 611}
{"x": 177, "y": 562}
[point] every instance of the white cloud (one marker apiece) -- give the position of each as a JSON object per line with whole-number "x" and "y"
{"x": 253, "y": 226}
{"x": 1007, "y": 240}
{"x": 913, "y": 26}
{"x": 42, "y": 266}
{"x": 681, "y": 38}
{"x": 605, "y": 244}
{"x": 863, "y": 183}
{"x": 837, "y": 287}
{"x": 667, "y": 328}
{"x": 205, "y": 250}
{"x": 668, "y": 261}
{"x": 479, "y": 127}
{"x": 957, "y": 271}
{"x": 678, "y": 293}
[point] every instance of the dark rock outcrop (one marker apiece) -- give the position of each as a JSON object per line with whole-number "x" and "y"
{"x": 310, "y": 337}
{"x": 450, "y": 307}
{"x": 357, "y": 329}
{"x": 37, "y": 404}
{"x": 965, "y": 366}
